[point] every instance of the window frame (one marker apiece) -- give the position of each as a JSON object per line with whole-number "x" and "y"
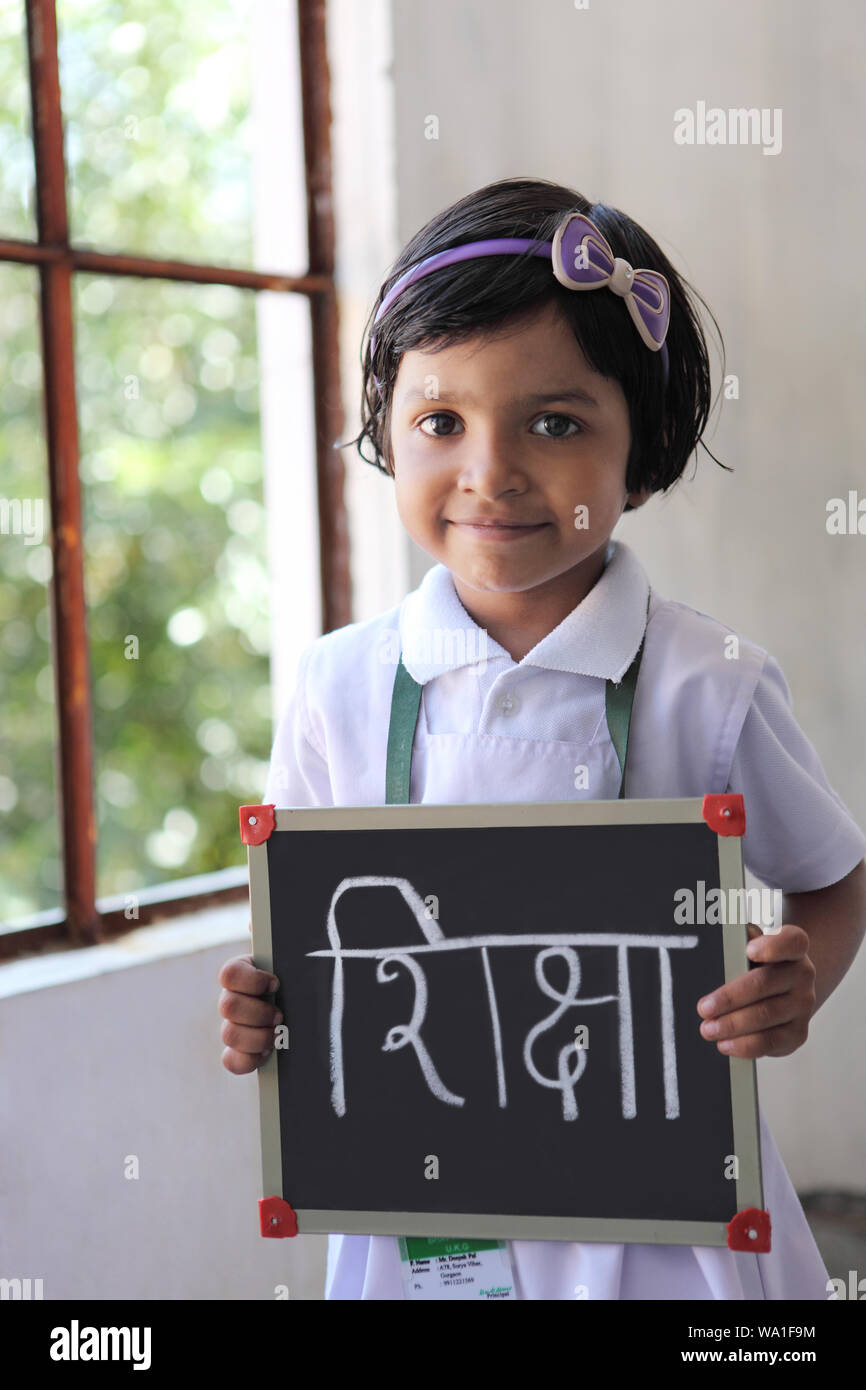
{"x": 81, "y": 923}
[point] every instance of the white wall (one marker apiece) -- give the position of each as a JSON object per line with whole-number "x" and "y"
{"x": 115, "y": 1052}
{"x": 586, "y": 96}
{"x": 365, "y": 209}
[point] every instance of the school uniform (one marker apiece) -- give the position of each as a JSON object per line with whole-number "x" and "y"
{"x": 711, "y": 713}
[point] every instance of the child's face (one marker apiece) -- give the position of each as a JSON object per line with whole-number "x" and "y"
{"x": 480, "y": 449}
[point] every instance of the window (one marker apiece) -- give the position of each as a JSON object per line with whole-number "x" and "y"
{"x": 134, "y": 590}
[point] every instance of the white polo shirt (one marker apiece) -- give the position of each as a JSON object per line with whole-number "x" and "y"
{"x": 712, "y": 713}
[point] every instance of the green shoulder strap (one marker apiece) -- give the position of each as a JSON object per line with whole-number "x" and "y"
{"x": 405, "y": 703}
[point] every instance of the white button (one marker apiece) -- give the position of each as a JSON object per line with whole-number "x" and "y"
{"x": 510, "y": 704}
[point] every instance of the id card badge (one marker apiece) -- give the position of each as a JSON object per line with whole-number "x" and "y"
{"x": 437, "y": 1268}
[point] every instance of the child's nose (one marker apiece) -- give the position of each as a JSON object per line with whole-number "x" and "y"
{"x": 493, "y": 470}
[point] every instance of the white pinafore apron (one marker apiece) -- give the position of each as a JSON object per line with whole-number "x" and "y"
{"x": 436, "y": 1269}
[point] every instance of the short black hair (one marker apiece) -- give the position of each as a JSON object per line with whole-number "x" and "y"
{"x": 489, "y": 294}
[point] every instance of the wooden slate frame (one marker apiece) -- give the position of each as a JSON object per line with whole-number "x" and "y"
{"x": 743, "y": 1080}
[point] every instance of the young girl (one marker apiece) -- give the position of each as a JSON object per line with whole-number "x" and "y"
{"x": 558, "y": 310}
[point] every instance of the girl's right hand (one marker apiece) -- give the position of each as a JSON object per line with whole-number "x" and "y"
{"x": 248, "y": 1030}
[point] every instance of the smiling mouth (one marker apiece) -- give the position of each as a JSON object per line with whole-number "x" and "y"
{"x": 501, "y": 530}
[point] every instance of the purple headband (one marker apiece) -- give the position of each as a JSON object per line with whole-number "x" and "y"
{"x": 582, "y": 260}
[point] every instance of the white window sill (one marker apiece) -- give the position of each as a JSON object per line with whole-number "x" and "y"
{"x": 184, "y": 935}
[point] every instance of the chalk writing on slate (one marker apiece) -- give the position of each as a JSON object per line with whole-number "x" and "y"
{"x": 571, "y": 1059}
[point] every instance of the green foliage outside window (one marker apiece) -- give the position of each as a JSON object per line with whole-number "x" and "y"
{"x": 156, "y": 108}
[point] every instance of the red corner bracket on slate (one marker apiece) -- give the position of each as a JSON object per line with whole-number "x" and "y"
{"x": 276, "y": 1217}
{"x": 750, "y": 1230}
{"x": 725, "y": 814}
{"x": 257, "y": 824}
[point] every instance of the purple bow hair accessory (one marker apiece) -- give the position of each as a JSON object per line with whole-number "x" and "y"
{"x": 582, "y": 260}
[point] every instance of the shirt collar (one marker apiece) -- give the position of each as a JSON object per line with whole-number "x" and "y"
{"x": 600, "y": 637}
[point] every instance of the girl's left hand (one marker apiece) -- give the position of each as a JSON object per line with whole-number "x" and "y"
{"x": 766, "y": 1012}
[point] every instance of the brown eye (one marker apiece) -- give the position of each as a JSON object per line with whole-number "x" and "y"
{"x": 559, "y": 433}
{"x": 437, "y": 434}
